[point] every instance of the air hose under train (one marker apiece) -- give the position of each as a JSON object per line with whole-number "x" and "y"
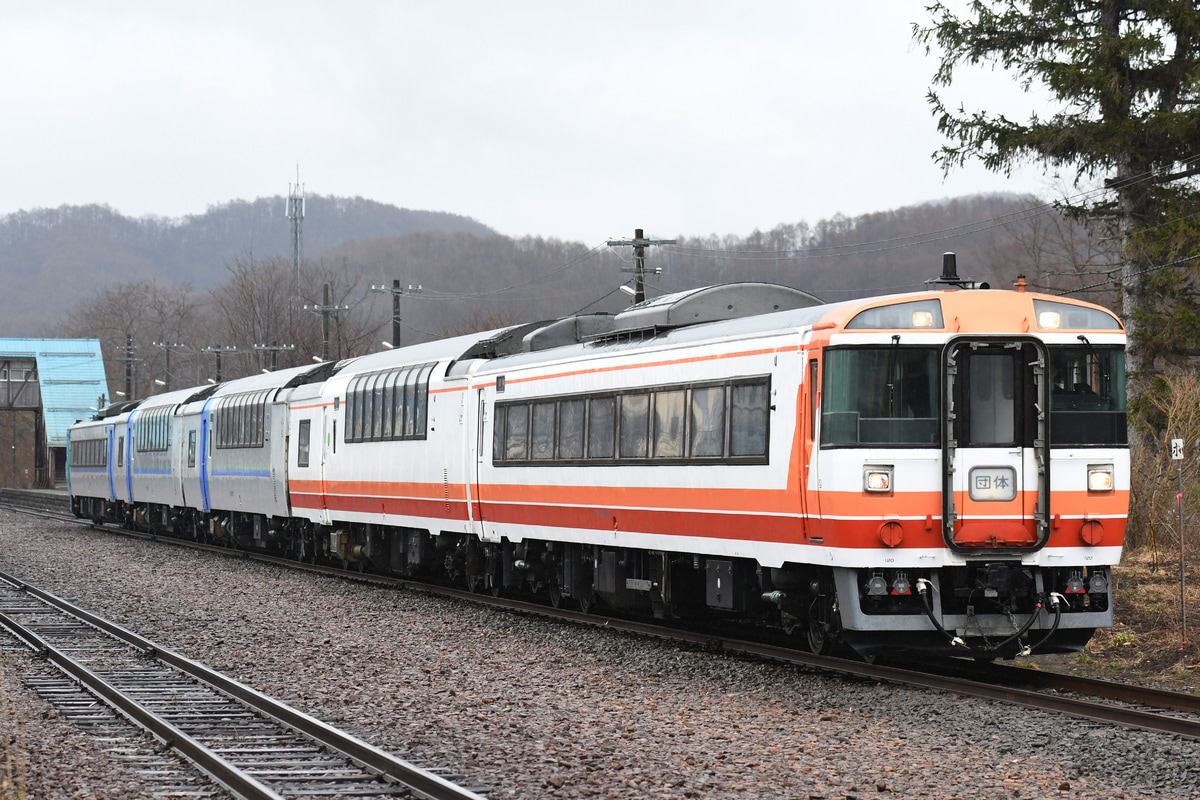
{"x": 924, "y": 586}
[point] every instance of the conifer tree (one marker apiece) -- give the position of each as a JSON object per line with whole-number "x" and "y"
{"x": 1125, "y": 75}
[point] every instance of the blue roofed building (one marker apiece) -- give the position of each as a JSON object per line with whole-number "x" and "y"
{"x": 46, "y": 385}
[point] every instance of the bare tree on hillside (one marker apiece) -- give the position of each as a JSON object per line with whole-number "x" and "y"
{"x": 143, "y": 312}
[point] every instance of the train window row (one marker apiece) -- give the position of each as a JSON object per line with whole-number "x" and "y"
{"x": 674, "y": 424}
{"x": 240, "y": 420}
{"x": 151, "y": 429}
{"x": 389, "y": 405}
{"x": 89, "y": 453}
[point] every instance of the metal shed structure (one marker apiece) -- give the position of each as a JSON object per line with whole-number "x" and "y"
{"x": 46, "y": 385}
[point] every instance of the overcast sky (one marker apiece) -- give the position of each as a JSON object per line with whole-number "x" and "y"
{"x": 579, "y": 120}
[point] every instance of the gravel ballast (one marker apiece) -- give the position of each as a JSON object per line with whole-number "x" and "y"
{"x": 534, "y": 708}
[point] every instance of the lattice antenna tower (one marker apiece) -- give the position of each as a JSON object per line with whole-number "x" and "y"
{"x": 295, "y": 212}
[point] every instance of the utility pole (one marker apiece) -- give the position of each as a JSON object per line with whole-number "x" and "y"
{"x": 274, "y": 348}
{"x": 325, "y": 310}
{"x": 218, "y": 350}
{"x": 639, "y": 243}
{"x": 396, "y": 293}
{"x": 295, "y": 212}
{"x": 128, "y": 359}
{"x": 168, "y": 347}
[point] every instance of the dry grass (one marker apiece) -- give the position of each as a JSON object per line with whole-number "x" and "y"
{"x": 1146, "y": 642}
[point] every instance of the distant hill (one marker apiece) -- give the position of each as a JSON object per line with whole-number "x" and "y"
{"x": 50, "y": 259}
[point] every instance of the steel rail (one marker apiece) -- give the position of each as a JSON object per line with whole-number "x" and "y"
{"x": 1078, "y": 708}
{"x": 420, "y": 781}
{"x": 211, "y": 764}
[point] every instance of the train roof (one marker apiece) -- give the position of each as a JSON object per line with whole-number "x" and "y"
{"x": 668, "y": 320}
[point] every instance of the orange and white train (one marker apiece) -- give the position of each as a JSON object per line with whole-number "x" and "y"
{"x": 939, "y": 471}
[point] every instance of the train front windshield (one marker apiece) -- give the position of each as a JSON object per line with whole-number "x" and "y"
{"x": 1087, "y": 396}
{"x": 880, "y": 396}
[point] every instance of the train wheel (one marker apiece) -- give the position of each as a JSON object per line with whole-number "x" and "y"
{"x": 587, "y": 600}
{"x": 823, "y": 618}
{"x": 554, "y": 590}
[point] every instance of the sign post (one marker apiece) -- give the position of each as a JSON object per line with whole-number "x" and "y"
{"x": 1177, "y": 456}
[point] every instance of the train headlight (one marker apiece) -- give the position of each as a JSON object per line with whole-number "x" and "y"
{"x": 922, "y": 319}
{"x": 1100, "y": 478}
{"x": 1049, "y": 319}
{"x": 877, "y": 479}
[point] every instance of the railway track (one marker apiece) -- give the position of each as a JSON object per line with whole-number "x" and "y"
{"x": 1093, "y": 700}
{"x": 239, "y": 739}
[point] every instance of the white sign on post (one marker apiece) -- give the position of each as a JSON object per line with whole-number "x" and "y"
{"x": 1177, "y": 449}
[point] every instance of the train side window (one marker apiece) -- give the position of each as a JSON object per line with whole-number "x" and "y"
{"x": 351, "y": 407}
{"x": 191, "y": 449}
{"x": 708, "y": 422}
{"x": 668, "y": 424}
{"x": 570, "y": 430}
{"x": 635, "y": 425}
{"x": 748, "y": 420}
{"x": 813, "y": 385}
{"x": 541, "y": 435}
{"x": 377, "y": 408}
{"x": 498, "y": 433}
{"x": 386, "y": 417}
{"x": 410, "y": 403}
{"x": 120, "y": 451}
{"x": 601, "y": 426}
{"x": 398, "y": 404}
{"x": 420, "y": 417}
{"x": 516, "y": 433}
{"x": 302, "y": 438}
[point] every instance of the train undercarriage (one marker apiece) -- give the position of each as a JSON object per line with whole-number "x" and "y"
{"x": 990, "y": 608}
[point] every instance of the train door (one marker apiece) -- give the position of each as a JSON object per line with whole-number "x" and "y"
{"x": 995, "y": 490}
{"x": 125, "y": 454}
{"x": 482, "y": 451}
{"x": 328, "y": 439}
{"x": 205, "y": 450}
{"x": 112, "y": 462}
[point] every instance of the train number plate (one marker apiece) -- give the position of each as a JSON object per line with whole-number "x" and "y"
{"x": 993, "y": 484}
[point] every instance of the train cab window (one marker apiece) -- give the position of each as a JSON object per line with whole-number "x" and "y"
{"x": 1087, "y": 396}
{"x": 992, "y": 403}
{"x": 302, "y": 442}
{"x": 708, "y": 422}
{"x": 668, "y": 424}
{"x": 570, "y": 429}
{"x": 601, "y": 426}
{"x": 748, "y": 419}
{"x": 880, "y": 396}
{"x": 541, "y": 433}
{"x": 635, "y": 425}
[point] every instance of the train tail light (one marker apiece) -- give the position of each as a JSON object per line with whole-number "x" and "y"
{"x": 1075, "y": 582}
